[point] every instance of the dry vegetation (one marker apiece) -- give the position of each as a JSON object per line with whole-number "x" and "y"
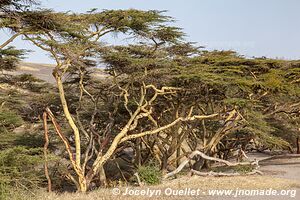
{"x": 204, "y": 183}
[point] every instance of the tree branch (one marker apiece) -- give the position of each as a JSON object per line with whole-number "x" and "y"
{"x": 9, "y": 40}
{"x": 45, "y": 151}
{"x": 180, "y": 119}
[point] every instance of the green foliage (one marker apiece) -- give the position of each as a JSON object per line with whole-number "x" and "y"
{"x": 9, "y": 58}
{"x": 261, "y": 128}
{"x": 9, "y": 5}
{"x": 150, "y": 174}
{"x": 146, "y": 23}
{"x": 9, "y": 119}
{"x": 273, "y": 80}
{"x": 239, "y": 102}
{"x": 26, "y": 78}
{"x": 250, "y": 85}
{"x": 4, "y": 191}
{"x": 29, "y": 82}
{"x": 19, "y": 167}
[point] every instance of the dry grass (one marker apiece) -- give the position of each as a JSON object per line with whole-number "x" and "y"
{"x": 202, "y": 183}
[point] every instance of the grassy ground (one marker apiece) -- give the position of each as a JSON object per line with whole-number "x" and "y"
{"x": 202, "y": 183}
{"x": 279, "y": 174}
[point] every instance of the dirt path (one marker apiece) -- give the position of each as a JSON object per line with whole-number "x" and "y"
{"x": 285, "y": 167}
{"x": 288, "y": 168}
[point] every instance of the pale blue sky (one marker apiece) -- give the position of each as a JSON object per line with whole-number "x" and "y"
{"x": 252, "y": 27}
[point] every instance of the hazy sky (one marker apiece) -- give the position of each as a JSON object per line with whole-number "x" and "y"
{"x": 252, "y": 27}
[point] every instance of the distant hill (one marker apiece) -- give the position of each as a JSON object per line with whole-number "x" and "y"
{"x": 41, "y": 71}
{"x": 44, "y": 71}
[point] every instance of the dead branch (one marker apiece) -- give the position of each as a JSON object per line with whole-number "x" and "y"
{"x": 45, "y": 151}
{"x": 255, "y": 172}
{"x": 198, "y": 153}
{"x": 211, "y": 173}
{"x": 222, "y": 174}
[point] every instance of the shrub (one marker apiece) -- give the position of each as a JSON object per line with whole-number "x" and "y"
{"x": 150, "y": 174}
{"x": 4, "y": 190}
{"x": 9, "y": 118}
{"x": 19, "y": 167}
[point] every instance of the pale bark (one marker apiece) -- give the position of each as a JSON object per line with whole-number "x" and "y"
{"x": 228, "y": 127}
{"x": 11, "y": 39}
{"x": 221, "y": 174}
{"x": 83, "y": 184}
{"x": 102, "y": 177}
{"x": 199, "y": 153}
{"x": 69, "y": 119}
{"x": 198, "y": 117}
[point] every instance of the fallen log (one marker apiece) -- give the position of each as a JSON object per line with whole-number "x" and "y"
{"x": 199, "y": 153}
{"x": 222, "y": 174}
{"x": 255, "y": 172}
{"x": 211, "y": 173}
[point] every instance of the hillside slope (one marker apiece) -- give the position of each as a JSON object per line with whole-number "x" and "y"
{"x": 41, "y": 71}
{"x": 44, "y": 71}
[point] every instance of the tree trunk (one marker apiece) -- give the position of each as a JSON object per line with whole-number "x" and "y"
{"x": 164, "y": 162}
{"x": 69, "y": 118}
{"x": 83, "y": 186}
{"x": 178, "y": 155}
{"x": 102, "y": 177}
{"x": 298, "y": 146}
{"x": 45, "y": 151}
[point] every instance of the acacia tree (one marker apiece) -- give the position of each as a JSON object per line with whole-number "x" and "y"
{"x": 244, "y": 91}
{"x": 153, "y": 88}
{"x": 251, "y": 86}
{"x": 73, "y": 40}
